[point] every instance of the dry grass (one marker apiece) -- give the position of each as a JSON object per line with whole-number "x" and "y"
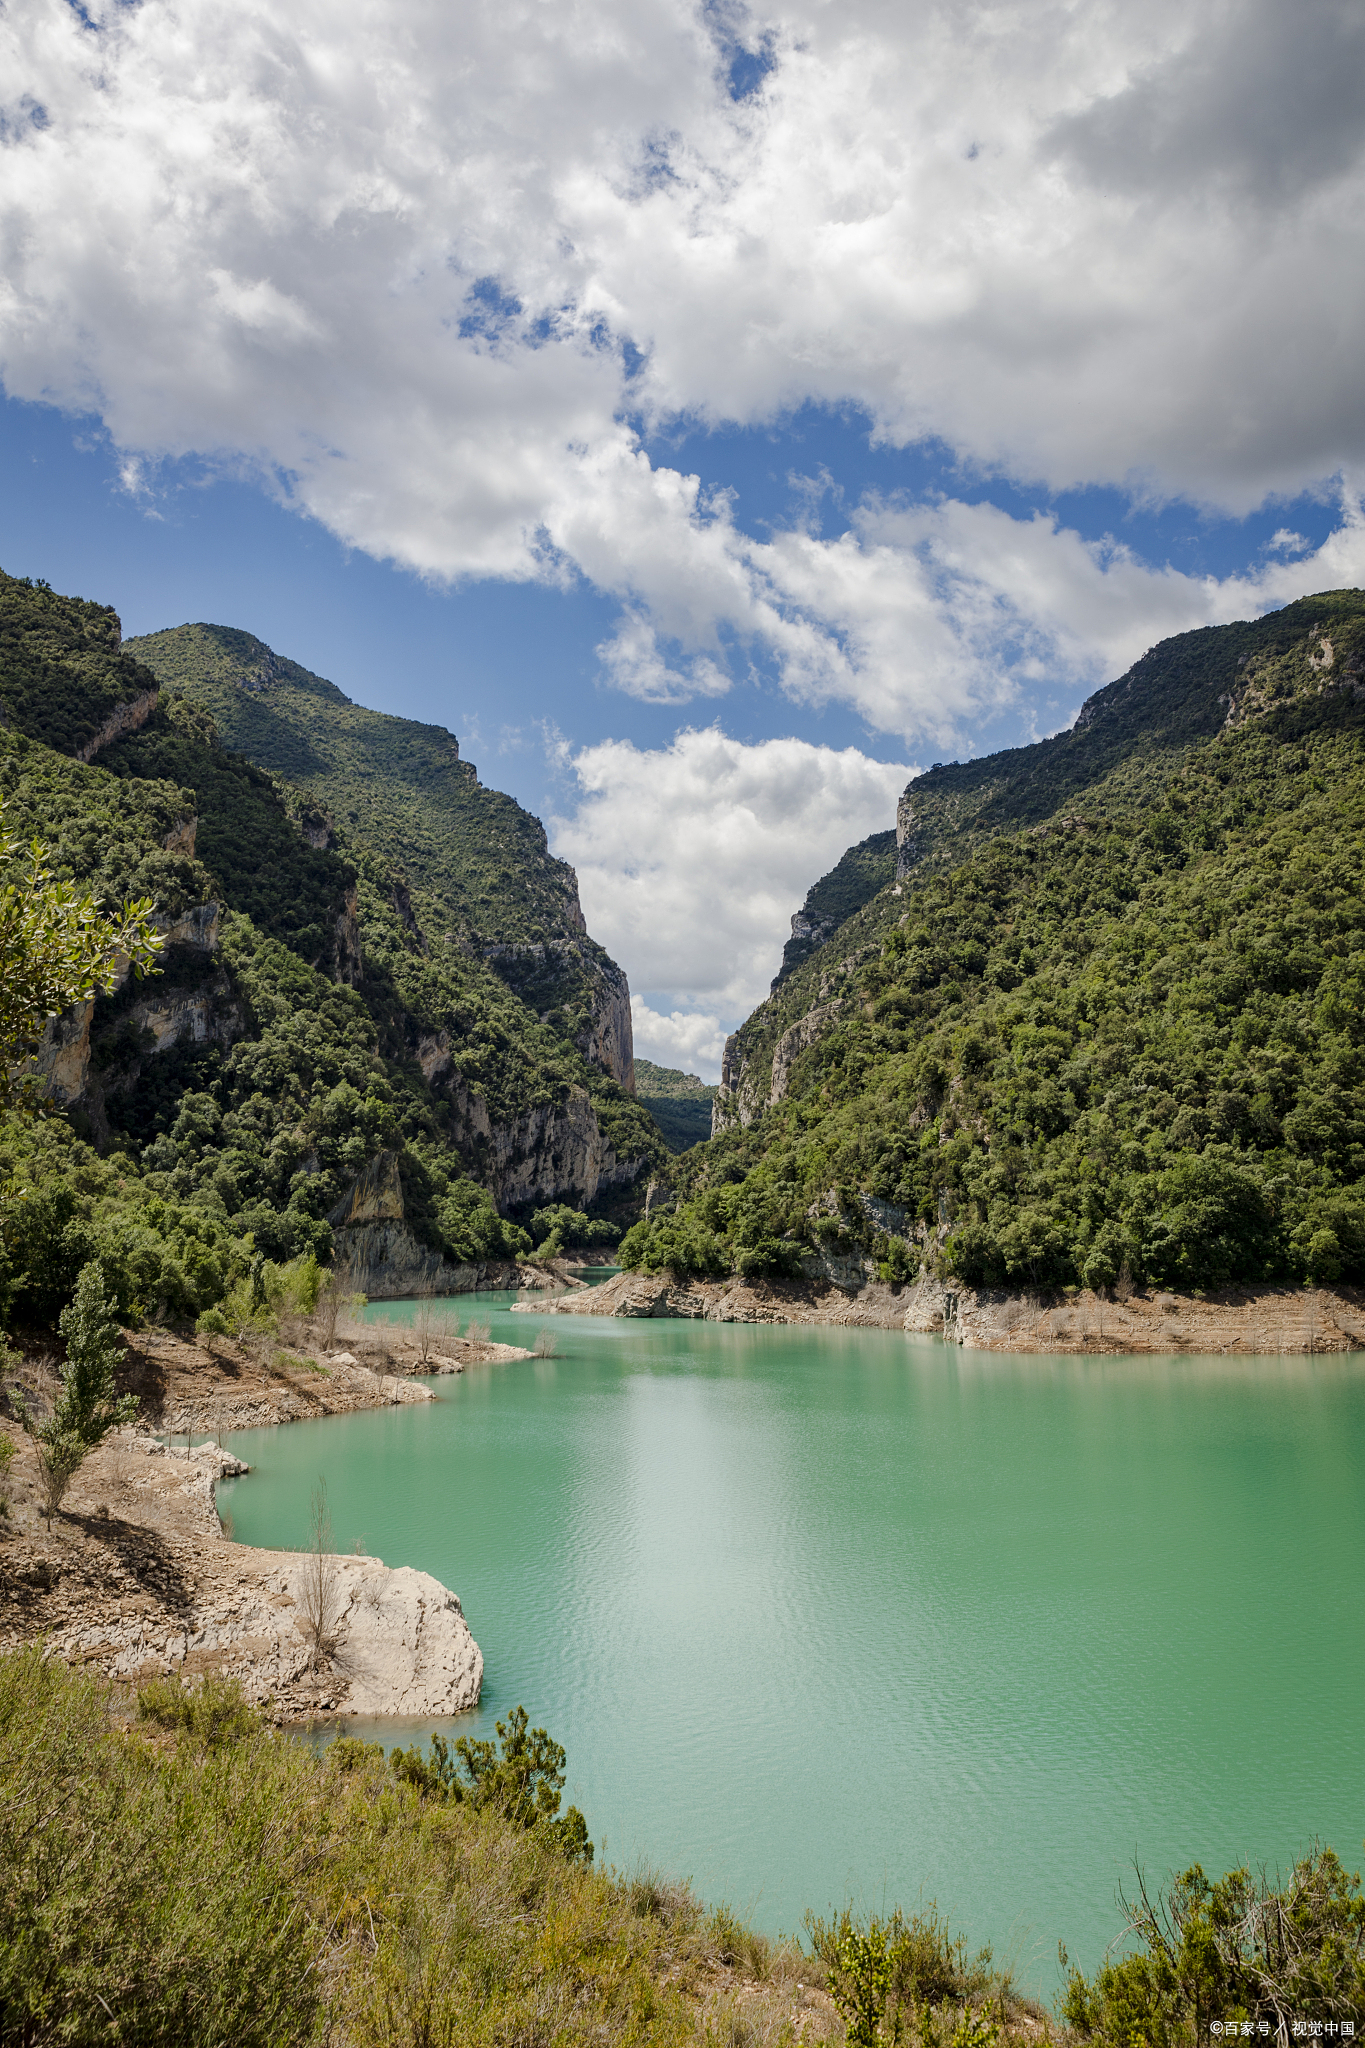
{"x": 212, "y": 1883}
{"x": 319, "y": 1593}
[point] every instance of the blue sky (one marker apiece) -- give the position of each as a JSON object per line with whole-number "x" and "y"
{"x": 506, "y": 664}
{"x": 709, "y": 412}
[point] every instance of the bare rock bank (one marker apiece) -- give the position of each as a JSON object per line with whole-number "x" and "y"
{"x": 138, "y": 1577}
{"x": 1250, "y": 1320}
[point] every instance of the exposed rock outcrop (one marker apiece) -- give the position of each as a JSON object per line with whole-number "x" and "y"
{"x": 554, "y": 1151}
{"x": 374, "y": 1196}
{"x": 127, "y": 717}
{"x": 553, "y": 972}
{"x": 726, "y": 1106}
{"x": 1275, "y": 1320}
{"x": 181, "y": 837}
{"x": 381, "y": 1256}
{"x": 348, "y": 964}
{"x": 62, "y": 1060}
{"x": 140, "y": 1582}
{"x": 609, "y": 1042}
{"x": 189, "y": 1016}
{"x": 173, "y": 1017}
{"x": 798, "y": 1039}
{"x": 551, "y": 1151}
{"x": 907, "y": 845}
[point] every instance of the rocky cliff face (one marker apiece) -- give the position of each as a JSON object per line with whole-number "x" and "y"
{"x": 748, "y": 1087}
{"x": 62, "y": 1061}
{"x": 907, "y": 847}
{"x": 556, "y": 975}
{"x": 175, "y": 1017}
{"x": 609, "y": 1041}
{"x": 348, "y": 963}
{"x": 129, "y": 717}
{"x": 552, "y": 1152}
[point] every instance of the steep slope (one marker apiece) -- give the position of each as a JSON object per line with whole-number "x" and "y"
{"x": 1111, "y": 1013}
{"x": 853, "y": 881}
{"x": 65, "y": 678}
{"x": 301, "y": 1072}
{"x": 480, "y": 874}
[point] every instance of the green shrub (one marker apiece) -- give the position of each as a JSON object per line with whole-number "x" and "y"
{"x": 521, "y": 1777}
{"x": 147, "y": 1898}
{"x": 214, "y": 1712}
{"x": 1234, "y": 1949}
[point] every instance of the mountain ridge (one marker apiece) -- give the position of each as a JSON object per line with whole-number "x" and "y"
{"x": 1104, "y": 1020}
{"x": 304, "y": 1031}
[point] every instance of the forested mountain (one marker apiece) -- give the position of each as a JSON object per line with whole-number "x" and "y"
{"x": 470, "y": 870}
{"x": 328, "y": 1053}
{"x": 1111, "y": 1010}
{"x": 852, "y": 882}
{"x": 679, "y": 1103}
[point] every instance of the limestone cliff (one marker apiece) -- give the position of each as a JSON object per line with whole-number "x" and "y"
{"x": 128, "y": 717}
{"x": 907, "y": 847}
{"x": 571, "y": 981}
{"x": 553, "y": 1151}
{"x": 170, "y": 1017}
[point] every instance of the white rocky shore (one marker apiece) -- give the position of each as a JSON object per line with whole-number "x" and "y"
{"x": 138, "y": 1576}
{"x": 1260, "y": 1320}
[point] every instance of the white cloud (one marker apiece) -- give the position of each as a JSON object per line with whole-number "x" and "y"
{"x": 691, "y": 1039}
{"x": 692, "y": 858}
{"x": 388, "y": 256}
{"x": 926, "y": 618}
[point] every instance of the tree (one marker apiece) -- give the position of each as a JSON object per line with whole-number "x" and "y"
{"x": 520, "y": 1777}
{"x": 58, "y": 946}
{"x": 319, "y": 1591}
{"x": 87, "y": 1408}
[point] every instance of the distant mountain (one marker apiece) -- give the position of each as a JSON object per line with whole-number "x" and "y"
{"x": 679, "y": 1103}
{"x": 1107, "y": 1012}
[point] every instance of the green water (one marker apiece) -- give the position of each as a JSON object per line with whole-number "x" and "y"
{"x": 824, "y": 1613}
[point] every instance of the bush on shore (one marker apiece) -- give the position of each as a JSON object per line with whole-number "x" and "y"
{"x": 199, "y": 1880}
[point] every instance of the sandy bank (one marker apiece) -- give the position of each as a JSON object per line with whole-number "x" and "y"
{"x": 137, "y": 1576}
{"x": 1260, "y": 1320}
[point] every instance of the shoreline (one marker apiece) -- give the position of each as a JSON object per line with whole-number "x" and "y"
{"x": 139, "y": 1578}
{"x": 1290, "y": 1321}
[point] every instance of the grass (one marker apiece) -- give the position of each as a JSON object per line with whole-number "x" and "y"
{"x": 174, "y": 1871}
{"x": 194, "y": 1877}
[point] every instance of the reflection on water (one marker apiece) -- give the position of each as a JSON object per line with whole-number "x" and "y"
{"x": 832, "y": 1612}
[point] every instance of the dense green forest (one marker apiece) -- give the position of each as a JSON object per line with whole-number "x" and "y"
{"x": 1112, "y": 1016}
{"x": 679, "y": 1103}
{"x": 473, "y": 870}
{"x": 231, "y": 1098}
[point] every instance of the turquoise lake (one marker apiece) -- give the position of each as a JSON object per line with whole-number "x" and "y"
{"x": 825, "y": 1614}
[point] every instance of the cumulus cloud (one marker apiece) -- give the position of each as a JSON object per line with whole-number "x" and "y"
{"x": 424, "y": 271}
{"x": 692, "y": 858}
{"x": 930, "y": 618}
{"x": 690, "y": 1039}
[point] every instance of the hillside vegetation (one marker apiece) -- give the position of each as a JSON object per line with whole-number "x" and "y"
{"x": 679, "y": 1103}
{"x": 299, "y": 1027}
{"x": 1111, "y": 1016}
{"x": 173, "y": 1871}
{"x": 474, "y": 868}
{"x": 63, "y": 670}
{"x": 853, "y": 881}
